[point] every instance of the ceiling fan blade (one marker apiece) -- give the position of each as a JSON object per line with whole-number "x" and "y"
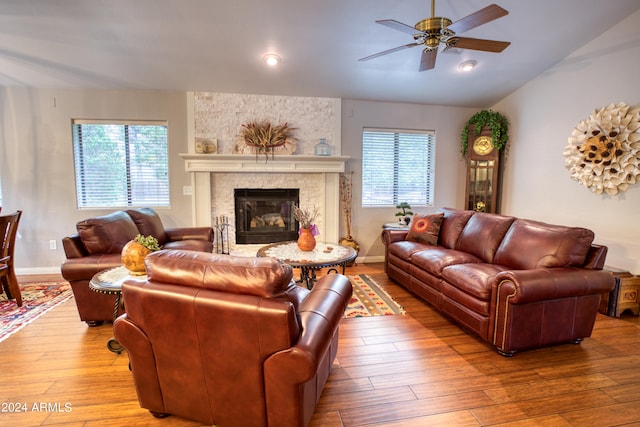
{"x": 478, "y": 18}
{"x": 428, "y": 60}
{"x": 396, "y": 25}
{"x": 388, "y": 51}
{"x": 478, "y": 44}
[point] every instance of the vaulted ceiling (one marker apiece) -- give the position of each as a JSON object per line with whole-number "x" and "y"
{"x": 215, "y": 45}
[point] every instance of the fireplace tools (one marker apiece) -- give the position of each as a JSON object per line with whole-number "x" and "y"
{"x": 222, "y": 235}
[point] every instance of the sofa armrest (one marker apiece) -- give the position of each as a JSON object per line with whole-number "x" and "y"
{"x": 142, "y": 362}
{"x": 189, "y": 233}
{"x": 310, "y": 359}
{"x": 73, "y": 247}
{"x": 526, "y": 286}
{"x": 390, "y": 236}
{"x": 320, "y": 314}
{"x": 535, "y": 308}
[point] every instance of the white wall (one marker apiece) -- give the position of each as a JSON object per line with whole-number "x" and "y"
{"x": 542, "y": 115}
{"x": 366, "y": 223}
{"x": 36, "y": 161}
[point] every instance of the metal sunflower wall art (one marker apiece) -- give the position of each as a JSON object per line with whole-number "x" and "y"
{"x": 603, "y": 152}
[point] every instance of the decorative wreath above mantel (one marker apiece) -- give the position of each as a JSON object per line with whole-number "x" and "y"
{"x": 603, "y": 152}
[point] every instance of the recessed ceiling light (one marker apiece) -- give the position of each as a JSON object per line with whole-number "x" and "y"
{"x": 271, "y": 59}
{"x": 467, "y": 65}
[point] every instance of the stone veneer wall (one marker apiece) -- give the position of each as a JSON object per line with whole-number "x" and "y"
{"x": 221, "y": 115}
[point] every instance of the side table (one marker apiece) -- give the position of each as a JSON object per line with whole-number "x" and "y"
{"x": 110, "y": 282}
{"x": 625, "y": 296}
{"x": 324, "y": 255}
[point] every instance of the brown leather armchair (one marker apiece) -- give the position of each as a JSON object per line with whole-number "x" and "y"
{"x": 98, "y": 243}
{"x": 230, "y": 340}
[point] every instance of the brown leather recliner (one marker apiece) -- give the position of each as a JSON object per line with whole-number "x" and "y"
{"x": 230, "y": 340}
{"x": 98, "y": 243}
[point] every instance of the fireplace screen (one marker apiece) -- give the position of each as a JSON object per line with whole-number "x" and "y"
{"x": 265, "y": 215}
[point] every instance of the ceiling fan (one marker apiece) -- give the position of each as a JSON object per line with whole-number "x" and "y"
{"x": 431, "y": 32}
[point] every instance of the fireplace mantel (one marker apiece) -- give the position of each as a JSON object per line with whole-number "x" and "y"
{"x": 231, "y": 163}
{"x": 202, "y": 166}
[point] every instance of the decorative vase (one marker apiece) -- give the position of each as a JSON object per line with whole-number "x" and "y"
{"x": 306, "y": 241}
{"x": 133, "y": 255}
{"x": 322, "y": 148}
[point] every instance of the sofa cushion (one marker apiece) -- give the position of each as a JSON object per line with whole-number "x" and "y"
{"x": 405, "y": 249}
{"x": 107, "y": 234}
{"x": 452, "y": 224}
{"x": 435, "y": 259}
{"x": 474, "y": 279}
{"x": 483, "y": 233}
{"x": 425, "y": 228}
{"x": 531, "y": 244}
{"x": 148, "y": 223}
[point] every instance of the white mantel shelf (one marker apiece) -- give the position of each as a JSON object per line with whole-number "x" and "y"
{"x": 239, "y": 163}
{"x": 203, "y": 167}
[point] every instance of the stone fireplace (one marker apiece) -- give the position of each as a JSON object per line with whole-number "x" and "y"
{"x": 215, "y": 178}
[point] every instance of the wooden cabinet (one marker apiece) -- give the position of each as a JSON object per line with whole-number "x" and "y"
{"x": 483, "y": 173}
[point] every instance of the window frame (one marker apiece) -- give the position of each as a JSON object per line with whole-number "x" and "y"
{"x": 399, "y": 137}
{"x": 127, "y": 199}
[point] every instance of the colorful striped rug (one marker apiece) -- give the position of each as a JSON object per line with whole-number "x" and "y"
{"x": 370, "y": 300}
{"x": 37, "y": 299}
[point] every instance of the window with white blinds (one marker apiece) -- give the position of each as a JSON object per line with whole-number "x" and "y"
{"x": 121, "y": 163}
{"x": 397, "y": 166}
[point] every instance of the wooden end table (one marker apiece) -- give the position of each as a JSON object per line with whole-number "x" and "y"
{"x": 324, "y": 255}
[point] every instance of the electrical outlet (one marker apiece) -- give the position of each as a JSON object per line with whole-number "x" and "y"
{"x": 53, "y": 245}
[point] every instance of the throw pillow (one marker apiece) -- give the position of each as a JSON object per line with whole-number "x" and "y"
{"x": 425, "y": 228}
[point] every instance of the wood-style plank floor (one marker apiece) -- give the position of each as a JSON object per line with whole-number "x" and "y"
{"x": 413, "y": 370}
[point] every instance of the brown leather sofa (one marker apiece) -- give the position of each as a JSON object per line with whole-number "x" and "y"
{"x": 516, "y": 283}
{"x": 97, "y": 245}
{"x": 230, "y": 340}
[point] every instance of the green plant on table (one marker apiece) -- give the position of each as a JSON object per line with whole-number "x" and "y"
{"x": 148, "y": 242}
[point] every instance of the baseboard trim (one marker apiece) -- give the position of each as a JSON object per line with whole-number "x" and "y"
{"x": 33, "y": 271}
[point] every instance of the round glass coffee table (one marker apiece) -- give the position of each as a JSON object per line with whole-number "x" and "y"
{"x": 110, "y": 282}
{"x": 324, "y": 255}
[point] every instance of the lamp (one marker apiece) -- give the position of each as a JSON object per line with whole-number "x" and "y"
{"x": 271, "y": 59}
{"x": 467, "y": 65}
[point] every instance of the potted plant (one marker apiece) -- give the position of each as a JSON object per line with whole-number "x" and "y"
{"x": 135, "y": 251}
{"x": 308, "y": 230}
{"x": 494, "y": 121}
{"x": 404, "y": 212}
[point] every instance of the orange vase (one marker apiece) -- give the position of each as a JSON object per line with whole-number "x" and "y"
{"x": 306, "y": 241}
{"x": 133, "y": 255}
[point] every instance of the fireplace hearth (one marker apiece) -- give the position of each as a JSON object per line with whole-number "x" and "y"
{"x": 265, "y": 215}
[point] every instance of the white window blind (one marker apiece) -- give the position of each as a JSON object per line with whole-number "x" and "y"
{"x": 397, "y": 166}
{"x": 121, "y": 164}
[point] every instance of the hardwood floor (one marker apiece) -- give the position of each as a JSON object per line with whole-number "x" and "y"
{"x": 413, "y": 370}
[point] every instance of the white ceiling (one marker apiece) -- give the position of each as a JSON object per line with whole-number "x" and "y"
{"x": 215, "y": 45}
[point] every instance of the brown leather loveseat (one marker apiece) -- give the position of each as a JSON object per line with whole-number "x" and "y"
{"x": 230, "y": 340}
{"x": 98, "y": 243}
{"x": 516, "y": 283}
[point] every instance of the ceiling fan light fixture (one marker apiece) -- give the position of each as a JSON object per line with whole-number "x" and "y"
{"x": 467, "y": 66}
{"x": 271, "y": 59}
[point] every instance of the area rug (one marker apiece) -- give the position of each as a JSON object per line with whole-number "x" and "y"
{"x": 37, "y": 299}
{"x": 370, "y": 300}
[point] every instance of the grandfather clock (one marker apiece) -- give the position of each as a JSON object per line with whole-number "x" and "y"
{"x": 483, "y": 173}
